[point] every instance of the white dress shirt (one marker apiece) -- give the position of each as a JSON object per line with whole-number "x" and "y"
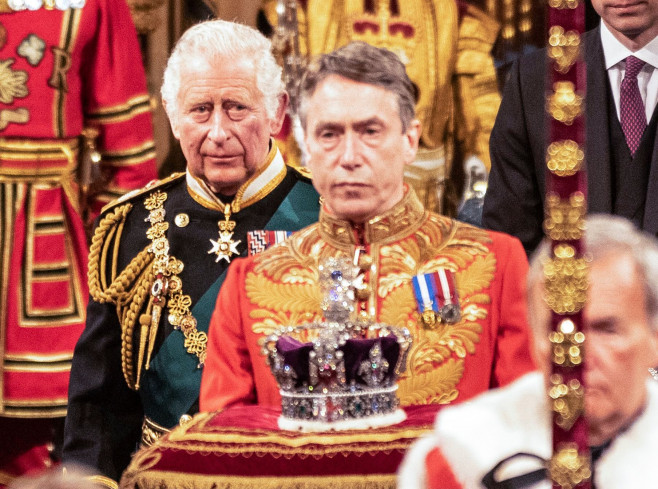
{"x": 615, "y": 53}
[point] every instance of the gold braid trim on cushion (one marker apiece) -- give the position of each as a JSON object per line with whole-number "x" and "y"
{"x": 164, "y": 480}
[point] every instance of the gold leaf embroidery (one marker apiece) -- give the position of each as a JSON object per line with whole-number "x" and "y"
{"x": 466, "y": 253}
{"x": 400, "y": 258}
{"x": 435, "y": 264}
{"x": 436, "y": 386}
{"x": 462, "y": 337}
{"x": 391, "y": 282}
{"x": 472, "y": 312}
{"x": 283, "y": 289}
{"x": 281, "y": 296}
{"x": 477, "y": 276}
{"x": 269, "y": 325}
{"x": 398, "y": 306}
{"x": 480, "y": 298}
{"x": 435, "y": 235}
{"x": 273, "y": 320}
{"x": 425, "y": 354}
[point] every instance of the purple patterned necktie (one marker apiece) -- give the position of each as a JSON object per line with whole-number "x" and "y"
{"x": 631, "y": 107}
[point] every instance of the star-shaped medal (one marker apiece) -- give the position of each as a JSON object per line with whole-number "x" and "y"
{"x": 224, "y": 247}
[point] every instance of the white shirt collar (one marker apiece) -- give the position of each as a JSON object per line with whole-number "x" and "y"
{"x": 615, "y": 52}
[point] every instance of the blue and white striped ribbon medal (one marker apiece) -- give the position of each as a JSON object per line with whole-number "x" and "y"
{"x": 437, "y": 299}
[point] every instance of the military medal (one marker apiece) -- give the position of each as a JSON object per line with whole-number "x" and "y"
{"x": 447, "y": 296}
{"x": 437, "y": 299}
{"x": 225, "y": 247}
{"x": 427, "y": 306}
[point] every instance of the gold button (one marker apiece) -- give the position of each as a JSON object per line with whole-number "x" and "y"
{"x": 182, "y": 220}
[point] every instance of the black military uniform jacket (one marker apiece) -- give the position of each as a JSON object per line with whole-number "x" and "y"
{"x": 157, "y": 262}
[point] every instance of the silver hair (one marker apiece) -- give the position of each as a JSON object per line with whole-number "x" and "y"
{"x": 213, "y": 38}
{"x": 607, "y": 234}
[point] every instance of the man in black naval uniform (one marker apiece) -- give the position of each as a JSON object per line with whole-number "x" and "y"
{"x": 158, "y": 257}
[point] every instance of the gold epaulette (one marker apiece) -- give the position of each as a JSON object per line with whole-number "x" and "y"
{"x": 302, "y": 170}
{"x": 149, "y": 187}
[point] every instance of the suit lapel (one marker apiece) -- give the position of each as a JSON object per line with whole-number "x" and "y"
{"x": 599, "y": 185}
{"x": 650, "y": 222}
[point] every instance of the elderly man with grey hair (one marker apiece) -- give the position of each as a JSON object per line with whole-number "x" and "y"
{"x": 158, "y": 257}
{"x": 510, "y": 429}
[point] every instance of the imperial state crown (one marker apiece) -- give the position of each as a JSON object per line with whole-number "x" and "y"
{"x": 339, "y": 373}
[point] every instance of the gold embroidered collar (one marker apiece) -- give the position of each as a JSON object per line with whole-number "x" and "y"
{"x": 401, "y": 220}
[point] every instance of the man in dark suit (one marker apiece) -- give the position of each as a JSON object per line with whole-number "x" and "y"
{"x": 622, "y": 168}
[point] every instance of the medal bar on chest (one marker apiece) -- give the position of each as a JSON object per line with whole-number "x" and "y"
{"x": 437, "y": 298}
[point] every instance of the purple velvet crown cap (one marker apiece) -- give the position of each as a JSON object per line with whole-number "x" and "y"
{"x": 356, "y": 351}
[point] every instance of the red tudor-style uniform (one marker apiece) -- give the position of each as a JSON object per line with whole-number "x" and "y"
{"x": 61, "y": 72}
{"x": 488, "y": 347}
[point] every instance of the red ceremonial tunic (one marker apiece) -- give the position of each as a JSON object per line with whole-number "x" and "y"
{"x": 488, "y": 347}
{"x": 60, "y": 72}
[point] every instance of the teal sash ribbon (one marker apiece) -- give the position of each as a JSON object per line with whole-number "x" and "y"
{"x": 171, "y": 385}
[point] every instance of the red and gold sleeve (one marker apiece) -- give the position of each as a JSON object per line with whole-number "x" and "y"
{"x": 512, "y": 357}
{"x": 228, "y": 377}
{"x": 117, "y": 103}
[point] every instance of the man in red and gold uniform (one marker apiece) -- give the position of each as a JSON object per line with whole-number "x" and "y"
{"x": 75, "y": 132}
{"x": 357, "y": 109}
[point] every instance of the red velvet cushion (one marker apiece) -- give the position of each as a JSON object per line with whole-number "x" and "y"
{"x": 242, "y": 447}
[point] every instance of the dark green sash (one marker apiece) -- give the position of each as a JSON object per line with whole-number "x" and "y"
{"x": 171, "y": 385}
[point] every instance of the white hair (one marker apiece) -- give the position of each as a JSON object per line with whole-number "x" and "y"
{"x": 220, "y": 38}
{"x": 607, "y": 234}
